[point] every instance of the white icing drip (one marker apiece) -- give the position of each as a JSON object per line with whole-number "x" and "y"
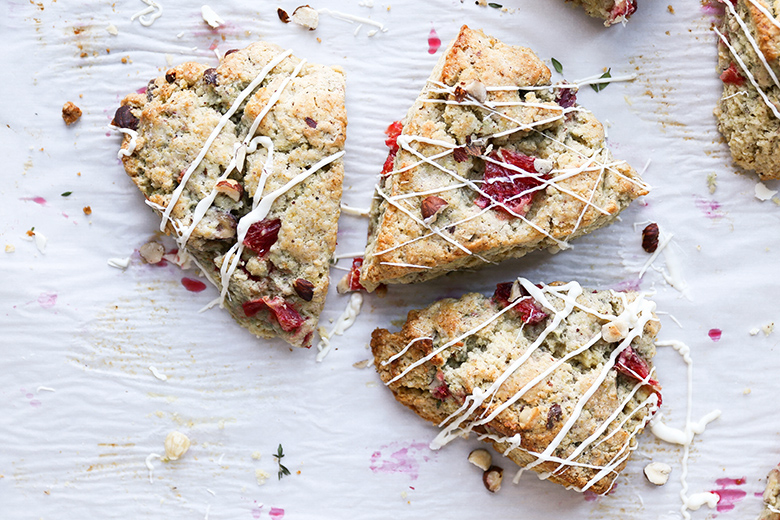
{"x": 40, "y": 241}
{"x": 208, "y": 508}
{"x": 773, "y": 509}
{"x": 45, "y": 389}
{"x": 752, "y": 41}
{"x": 684, "y": 437}
{"x": 735, "y": 94}
{"x": 345, "y": 321}
{"x": 131, "y": 144}
{"x": 154, "y": 11}
{"x": 214, "y": 133}
{"x": 156, "y": 373}
{"x": 763, "y": 193}
{"x": 747, "y": 73}
{"x": 665, "y": 239}
{"x": 149, "y": 465}
{"x": 695, "y": 501}
{"x": 356, "y": 212}
{"x": 211, "y": 17}
{"x": 351, "y": 18}
{"x": 119, "y": 263}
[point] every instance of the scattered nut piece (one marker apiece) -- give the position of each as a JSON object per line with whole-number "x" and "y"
{"x": 87, "y": 210}
{"x": 658, "y": 473}
{"x": 460, "y": 154}
{"x": 231, "y": 188}
{"x": 481, "y": 459}
{"x": 477, "y": 91}
{"x": 754, "y": 331}
{"x": 650, "y": 238}
{"x": 283, "y": 16}
{"x": 304, "y": 288}
{"x": 363, "y": 364}
{"x": 152, "y": 252}
{"x": 614, "y": 331}
{"x": 176, "y": 445}
{"x": 492, "y": 478}
{"x": 70, "y": 113}
{"x": 459, "y": 94}
{"x": 306, "y": 16}
{"x": 431, "y": 206}
{"x": 543, "y": 166}
{"x": 768, "y": 328}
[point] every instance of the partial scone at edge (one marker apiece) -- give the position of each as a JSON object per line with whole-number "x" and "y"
{"x": 546, "y": 381}
{"x": 749, "y": 124}
{"x": 611, "y": 11}
{"x": 772, "y": 496}
{"x": 575, "y": 186}
{"x": 278, "y": 286}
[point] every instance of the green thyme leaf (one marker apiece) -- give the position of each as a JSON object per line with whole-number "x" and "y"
{"x": 495, "y": 5}
{"x": 282, "y": 469}
{"x": 598, "y": 87}
{"x": 66, "y": 194}
{"x": 557, "y": 65}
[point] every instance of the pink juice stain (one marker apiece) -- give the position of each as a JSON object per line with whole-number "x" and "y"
{"x": 434, "y": 42}
{"x": 37, "y": 200}
{"x": 404, "y": 459}
{"x": 193, "y": 285}
{"x": 729, "y": 497}
{"x": 257, "y": 511}
{"x": 47, "y": 300}
{"x": 276, "y": 513}
{"x": 715, "y": 335}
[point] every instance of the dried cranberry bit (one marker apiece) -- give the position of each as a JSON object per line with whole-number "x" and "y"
{"x": 650, "y": 238}
{"x": 193, "y": 285}
{"x": 262, "y": 235}
{"x": 288, "y": 318}
{"x": 732, "y": 76}
{"x": 526, "y": 307}
{"x": 170, "y": 77}
{"x": 354, "y": 275}
{"x": 460, "y": 154}
{"x": 554, "y": 415}
{"x": 210, "y": 77}
{"x": 514, "y": 191}
{"x": 394, "y": 129}
{"x": 124, "y": 118}
{"x": 622, "y": 8}
{"x": 311, "y": 122}
{"x": 388, "y": 166}
{"x": 253, "y": 307}
{"x": 566, "y": 97}
{"x": 631, "y": 364}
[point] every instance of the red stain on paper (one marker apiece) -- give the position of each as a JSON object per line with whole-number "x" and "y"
{"x": 715, "y": 335}
{"x": 631, "y": 285}
{"x": 37, "y": 200}
{"x": 729, "y": 496}
{"x": 710, "y": 208}
{"x": 47, "y": 300}
{"x": 401, "y": 459}
{"x": 257, "y": 511}
{"x": 193, "y": 285}
{"x": 434, "y": 42}
{"x": 276, "y": 513}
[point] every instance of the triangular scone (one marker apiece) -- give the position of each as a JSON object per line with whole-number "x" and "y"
{"x": 611, "y": 11}
{"x": 492, "y": 163}
{"x": 250, "y": 154}
{"x": 558, "y": 378}
{"x": 749, "y": 66}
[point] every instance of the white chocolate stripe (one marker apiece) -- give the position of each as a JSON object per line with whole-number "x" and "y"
{"x": 753, "y": 43}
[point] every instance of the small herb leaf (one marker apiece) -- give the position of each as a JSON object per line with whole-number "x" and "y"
{"x": 66, "y": 194}
{"x": 598, "y": 87}
{"x": 495, "y": 5}
{"x": 557, "y": 65}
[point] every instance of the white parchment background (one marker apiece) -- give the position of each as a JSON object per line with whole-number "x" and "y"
{"x": 70, "y": 322}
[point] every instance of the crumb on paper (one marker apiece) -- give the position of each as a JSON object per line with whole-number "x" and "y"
{"x": 306, "y": 16}
{"x": 763, "y": 193}
{"x": 712, "y": 182}
{"x": 176, "y": 445}
{"x": 754, "y": 331}
{"x": 169, "y": 60}
{"x": 768, "y": 328}
{"x": 152, "y": 252}
{"x": 670, "y": 8}
{"x": 362, "y": 364}
{"x": 70, "y": 113}
{"x": 112, "y": 30}
{"x": 119, "y": 263}
{"x": 261, "y": 476}
{"x": 746, "y": 391}
{"x": 87, "y": 210}
{"x": 211, "y": 17}
{"x": 256, "y": 455}
{"x": 9, "y": 248}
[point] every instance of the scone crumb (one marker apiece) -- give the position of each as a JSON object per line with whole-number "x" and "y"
{"x": 9, "y": 248}
{"x": 363, "y": 364}
{"x": 746, "y": 391}
{"x": 256, "y": 455}
{"x": 70, "y": 113}
{"x": 712, "y": 182}
{"x": 768, "y": 328}
{"x": 87, "y": 210}
{"x": 261, "y": 476}
{"x": 754, "y": 331}
{"x": 670, "y": 8}
{"x": 657, "y": 473}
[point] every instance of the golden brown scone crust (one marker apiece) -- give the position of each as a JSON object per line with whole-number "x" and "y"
{"x": 481, "y": 358}
{"x": 772, "y": 496}
{"x": 401, "y": 249}
{"x": 176, "y": 115}
{"x": 750, "y": 127}
{"x": 611, "y": 11}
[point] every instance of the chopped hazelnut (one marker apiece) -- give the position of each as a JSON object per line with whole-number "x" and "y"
{"x": 492, "y": 478}
{"x": 70, "y": 113}
{"x": 477, "y": 91}
{"x": 152, "y": 252}
{"x": 481, "y": 459}
{"x": 657, "y": 473}
{"x": 176, "y": 445}
{"x": 431, "y": 206}
{"x": 304, "y": 288}
{"x": 306, "y": 16}
{"x": 231, "y": 188}
{"x": 614, "y": 331}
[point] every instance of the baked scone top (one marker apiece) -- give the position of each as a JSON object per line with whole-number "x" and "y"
{"x": 772, "y": 496}
{"x": 557, "y": 377}
{"x": 512, "y": 166}
{"x": 243, "y": 162}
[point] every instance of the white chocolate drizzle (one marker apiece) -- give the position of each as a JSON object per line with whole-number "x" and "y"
{"x": 131, "y": 144}
{"x": 685, "y": 436}
{"x": 351, "y": 18}
{"x": 154, "y": 10}
{"x": 149, "y": 466}
{"x": 156, "y": 373}
{"x": 636, "y": 315}
{"x": 355, "y": 212}
{"x": 345, "y": 321}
